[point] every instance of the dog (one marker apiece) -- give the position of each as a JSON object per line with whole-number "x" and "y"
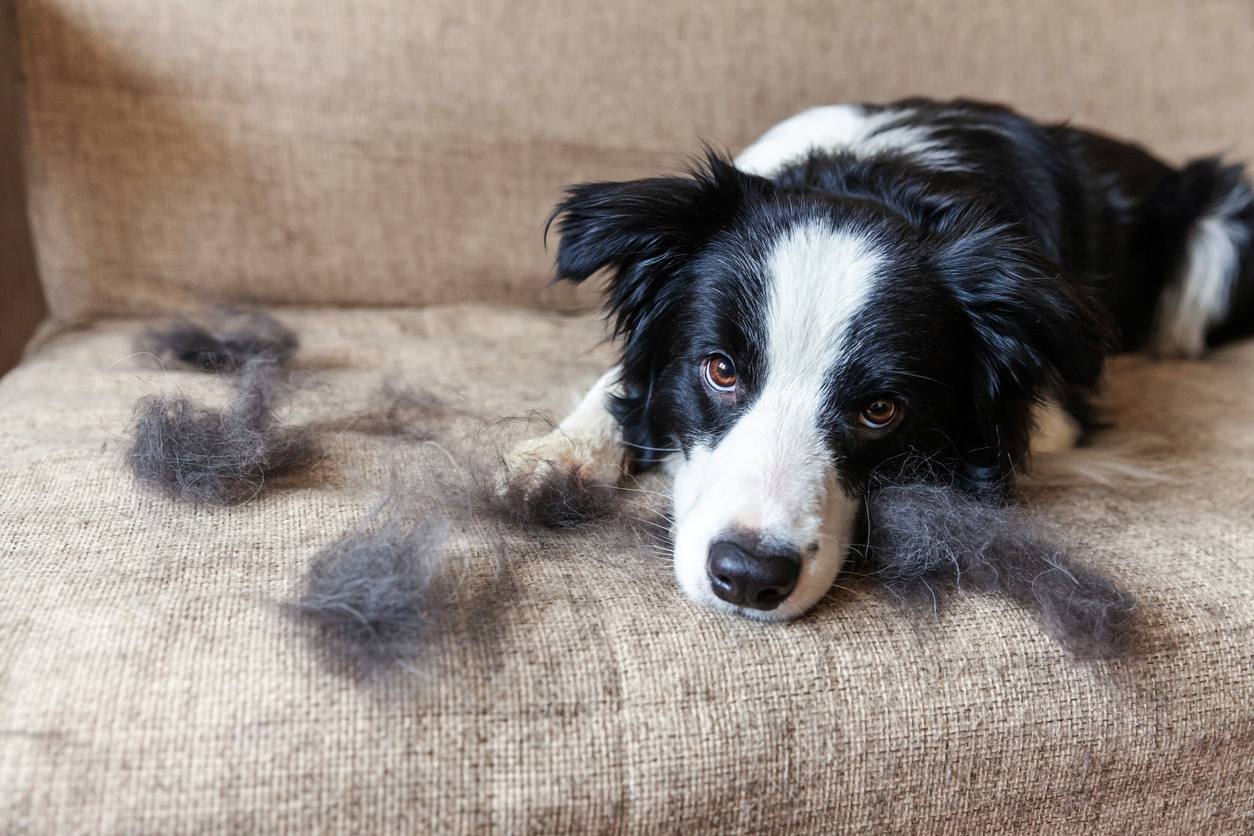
{"x": 867, "y": 285}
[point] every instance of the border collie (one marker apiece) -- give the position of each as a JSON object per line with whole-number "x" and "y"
{"x": 871, "y": 284}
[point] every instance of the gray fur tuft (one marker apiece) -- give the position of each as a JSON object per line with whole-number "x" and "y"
{"x": 375, "y": 595}
{"x": 923, "y": 538}
{"x": 237, "y": 338}
{"x": 561, "y": 498}
{"x": 218, "y": 457}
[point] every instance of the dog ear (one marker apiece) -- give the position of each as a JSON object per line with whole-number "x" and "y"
{"x": 644, "y": 233}
{"x": 1035, "y": 333}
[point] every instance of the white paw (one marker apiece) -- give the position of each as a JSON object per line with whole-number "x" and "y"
{"x": 1053, "y": 428}
{"x": 535, "y": 462}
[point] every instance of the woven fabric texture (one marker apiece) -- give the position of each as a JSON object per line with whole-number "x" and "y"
{"x": 150, "y": 683}
{"x": 389, "y": 152}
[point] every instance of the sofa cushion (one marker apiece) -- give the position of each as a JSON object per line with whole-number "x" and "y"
{"x": 150, "y": 681}
{"x": 363, "y": 151}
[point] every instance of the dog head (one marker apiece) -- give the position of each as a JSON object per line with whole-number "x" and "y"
{"x": 792, "y": 344}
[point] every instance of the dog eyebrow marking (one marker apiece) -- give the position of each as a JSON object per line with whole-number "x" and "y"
{"x": 850, "y": 128}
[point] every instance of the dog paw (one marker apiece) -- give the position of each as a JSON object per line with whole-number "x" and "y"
{"x": 558, "y": 481}
{"x": 537, "y": 459}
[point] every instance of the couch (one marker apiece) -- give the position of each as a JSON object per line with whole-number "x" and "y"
{"x": 377, "y": 174}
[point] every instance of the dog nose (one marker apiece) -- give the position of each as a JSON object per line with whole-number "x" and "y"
{"x": 744, "y": 573}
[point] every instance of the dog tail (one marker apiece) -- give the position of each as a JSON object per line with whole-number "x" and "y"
{"x": 1208, "y": 297}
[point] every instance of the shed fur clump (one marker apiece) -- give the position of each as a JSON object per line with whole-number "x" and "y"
{"x": 219, "y": 456}
{"x": 556, "y": 497}
{"x": 233, "y": 340}
{"x": 924, "y": 538}
{"x": 375, "y": 594}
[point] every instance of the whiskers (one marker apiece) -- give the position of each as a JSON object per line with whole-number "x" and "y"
{"x": 649, "y": 449}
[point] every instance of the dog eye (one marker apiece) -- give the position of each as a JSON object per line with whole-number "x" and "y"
{"x": 720, "y": 373}
{"x": 879, "y": 413}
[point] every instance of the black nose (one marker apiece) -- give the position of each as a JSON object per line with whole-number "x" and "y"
{"x": 743, "y": 572}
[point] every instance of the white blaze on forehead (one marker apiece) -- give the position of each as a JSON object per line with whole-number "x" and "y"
{"x": 848, "y": 127}
{"x": 819, "y": 278}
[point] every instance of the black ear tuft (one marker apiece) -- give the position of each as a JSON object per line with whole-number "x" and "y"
{"x": 1035, "y": 333}
{"x": 644, "y": 231}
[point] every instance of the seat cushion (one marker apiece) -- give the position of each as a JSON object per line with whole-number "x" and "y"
{"x": 150, "y": 681}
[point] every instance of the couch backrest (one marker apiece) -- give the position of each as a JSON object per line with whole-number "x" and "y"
{"x": 404, "y": 152}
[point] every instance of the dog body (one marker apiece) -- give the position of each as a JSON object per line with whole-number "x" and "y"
{"x": 867, "y": 287}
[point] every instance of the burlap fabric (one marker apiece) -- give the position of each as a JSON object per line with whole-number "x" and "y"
{"x": 390, "y": 152}
{"x": 150, "y": 684}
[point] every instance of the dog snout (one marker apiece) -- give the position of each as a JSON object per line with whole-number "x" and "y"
{"x": 745, "y": 572}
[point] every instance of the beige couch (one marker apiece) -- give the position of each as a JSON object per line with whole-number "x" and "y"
{"x": 379, "y": 171}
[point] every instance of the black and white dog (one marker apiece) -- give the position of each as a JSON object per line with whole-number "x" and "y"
{"x": 865, "y": 283}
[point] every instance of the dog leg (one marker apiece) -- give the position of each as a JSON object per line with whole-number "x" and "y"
{"x": 587, "y": 443}
{"x": 1053, "y": 428}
